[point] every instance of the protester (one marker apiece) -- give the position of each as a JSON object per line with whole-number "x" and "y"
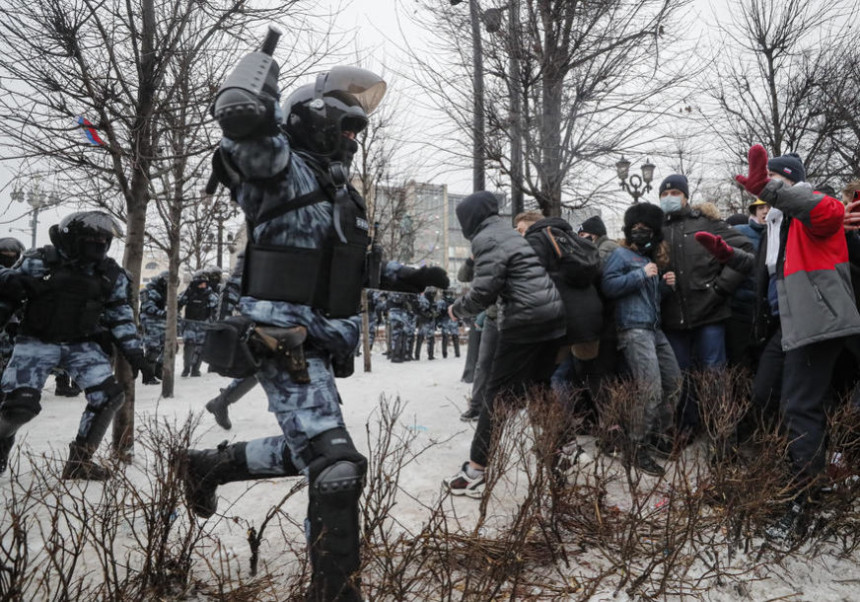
{"x": 808, "y": 272}
{"x": 530, "y": 321}
{"x": 695, "y": 312}
{"x": 632, "y": 278}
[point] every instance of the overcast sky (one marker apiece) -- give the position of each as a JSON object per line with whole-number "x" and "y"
{"x": 376, "y": 30}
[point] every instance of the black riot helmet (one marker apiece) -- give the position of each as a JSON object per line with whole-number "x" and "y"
{"x": 85, "y": 235}
{"x": 10, "y": 251}
{"x": 316, "y": 115}
{"x": 159, "y": 283}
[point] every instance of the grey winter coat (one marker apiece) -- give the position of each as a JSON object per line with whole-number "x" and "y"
{"x": 507, "y": 269}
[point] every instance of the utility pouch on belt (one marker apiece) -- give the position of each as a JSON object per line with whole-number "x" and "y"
{"x": 227, "y": 347}
{"x": 287, "y": 347}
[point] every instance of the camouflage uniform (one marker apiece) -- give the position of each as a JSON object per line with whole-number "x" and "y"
{"x": 397, "y": 322}
{"x": 153, "y": 300}
{"x": 82, "y": 357}
{"x": 200, "y": 303}
{"x": 426, "y": 326}
{"x": 450, "y": 328}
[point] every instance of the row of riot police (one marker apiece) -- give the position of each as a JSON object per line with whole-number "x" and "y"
{"x": 70, "y": 305}
{"x": 413, "y": 320}
{"x": 197, "y": 304}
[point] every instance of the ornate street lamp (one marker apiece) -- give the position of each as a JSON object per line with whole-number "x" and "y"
{"x": 635, "y": 185}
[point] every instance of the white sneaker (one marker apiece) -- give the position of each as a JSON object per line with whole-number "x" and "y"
{"x": 462, "y": 484}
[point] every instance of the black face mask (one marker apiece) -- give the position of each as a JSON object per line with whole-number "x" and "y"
{"x": 643, "y": 239}
{"x": 94, "y": 251}
{"x": 348, "y": 148}
{"x": 7, "y": 261}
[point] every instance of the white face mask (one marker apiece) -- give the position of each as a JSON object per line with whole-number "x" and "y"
{"x": 671, "y": 203}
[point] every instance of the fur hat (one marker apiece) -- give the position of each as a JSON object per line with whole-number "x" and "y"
{"x": 593, "y": 225}
{"x": 790, "y": 166}
{"x": 675, "y": 182}
{"x": 644, "y": 213}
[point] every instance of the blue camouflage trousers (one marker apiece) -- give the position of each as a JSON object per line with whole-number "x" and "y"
{"x": 33, "y": 360}
{"x": 153, "y": 336}
{"x": 303, "y": 411}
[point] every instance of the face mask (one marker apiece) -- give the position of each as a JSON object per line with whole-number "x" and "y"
{"x": 93, "y": 250}
{"x": 348, "y": 148}
{"x": 671, "y": 203}
{"x": 643, "y": 239}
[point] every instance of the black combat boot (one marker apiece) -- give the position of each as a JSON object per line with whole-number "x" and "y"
{"x": 6, "y": 444}
{"x": 65, "y": 386}
{"x": 456, "y": 340}
{"x": 205, "y": 469}
{"x": 80, "y": 464}
{"x": 418, "y": 342}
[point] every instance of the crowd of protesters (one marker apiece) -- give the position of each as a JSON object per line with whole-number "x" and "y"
{"x": 683, "y": 292}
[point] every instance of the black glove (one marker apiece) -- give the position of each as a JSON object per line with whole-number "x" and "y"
{"x": 16, "y": 286}
{"x": 416, "y": 280}
{"x": 140, "y": 365}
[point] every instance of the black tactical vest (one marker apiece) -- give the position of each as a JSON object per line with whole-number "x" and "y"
{"x": 67, "y": 302}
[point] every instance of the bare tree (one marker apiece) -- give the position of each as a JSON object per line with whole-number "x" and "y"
{"x": 590, "y": 77}
{"x": 769, "y": 74}
{"x": 118, "y": 65}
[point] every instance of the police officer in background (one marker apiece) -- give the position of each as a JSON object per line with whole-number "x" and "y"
{"x": 305, "y": 266}
{"x": 70, "y": 292}
{"x": 426, "y": 312}
{"x": 398, "y": 321}
{"x": 10, "y": 252}
{"x": 200, "y": 303}
{"x": 450, "y": 328}
{"x": 153, "y": 313}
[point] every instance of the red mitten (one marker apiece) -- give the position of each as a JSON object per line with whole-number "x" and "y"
{"x": 757, "y": 178}
{"x": 715, "y": 245}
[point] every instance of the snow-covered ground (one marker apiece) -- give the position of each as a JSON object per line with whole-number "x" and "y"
{"x": 433, "y": 398}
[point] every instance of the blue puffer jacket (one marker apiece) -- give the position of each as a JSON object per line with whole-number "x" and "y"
{"x": 637, "y": 297}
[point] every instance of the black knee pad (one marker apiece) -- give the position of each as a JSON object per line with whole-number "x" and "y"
{"x": 21, "y": 405}
{"x": 113, "y": 390}
{"x": 336, "y": 480}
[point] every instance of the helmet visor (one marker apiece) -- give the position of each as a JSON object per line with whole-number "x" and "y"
{"x": 366, "y": 87}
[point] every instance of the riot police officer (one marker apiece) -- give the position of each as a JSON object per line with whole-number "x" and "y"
{"x": 450, "y": 328}
{"x": 304, "y": 270}
{"x": 200, "y": 303}
{"x": 398, "y": 320}
{"x": 426, "y": 312}
{"x": 70, "y": 292}
{"x": 153, "y": 312}
{"x": 10, "y": 252}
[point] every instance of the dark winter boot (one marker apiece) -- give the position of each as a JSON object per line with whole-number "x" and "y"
{"x": 444, "y": 345}
{"x": 418, "y": 342}
{"x": 204, "y": 470}
{"x": 186, "y": 360}
{"x": 219, "y": 407}
{"x": 644, "y": 462}
{"x": 65, "y": 386}
{"x": 80, "y": 464}
{"x": 788, "y": 527}
{"x": 6, "y": 444}
{"x": 430, "y": 346}
{"x": 456, "y": 340}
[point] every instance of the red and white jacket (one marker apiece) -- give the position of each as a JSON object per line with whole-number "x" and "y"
{"x": 816, "y": 300}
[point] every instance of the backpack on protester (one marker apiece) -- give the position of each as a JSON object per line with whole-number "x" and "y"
{"x": 577, "y": 258}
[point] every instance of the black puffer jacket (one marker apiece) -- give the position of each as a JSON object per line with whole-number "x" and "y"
{"x": 508, "y": 270}
{"x": 704, "y": 287}
{"x": 583, "y": 309}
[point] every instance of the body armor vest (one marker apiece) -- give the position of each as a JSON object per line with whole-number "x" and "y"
{"x": 197, "y": 307}
{"x": 329, "y": 278}
{"x": 68, "y": 302}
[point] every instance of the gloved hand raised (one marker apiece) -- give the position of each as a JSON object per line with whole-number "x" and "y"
{"x": 416, "y": 280}
{"x": 755, "y": 182}
{"x": 715, "y": 245}
{"x": 15, "y": 286}
{"x": 140, "y": 365}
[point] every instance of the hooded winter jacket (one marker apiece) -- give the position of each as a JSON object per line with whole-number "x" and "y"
{"x": 582, "y": 306}
{"x": 816, "y": 300}
{"x": 507, "y": 269}
{"x": 703, "y": 287}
